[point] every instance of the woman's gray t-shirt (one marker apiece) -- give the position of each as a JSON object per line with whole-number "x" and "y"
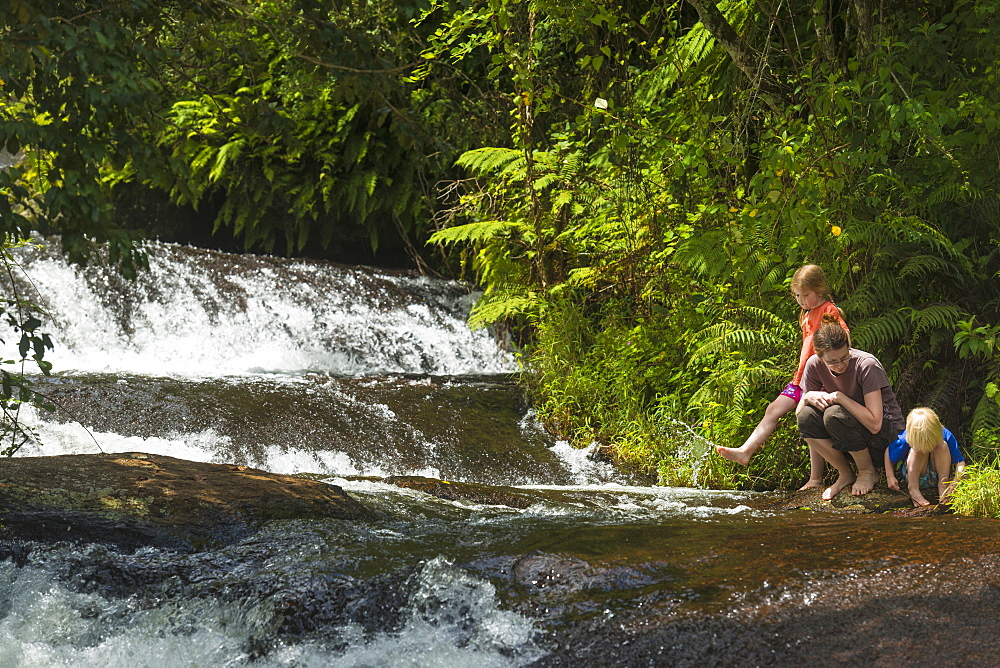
{"x": 864, "y": 374}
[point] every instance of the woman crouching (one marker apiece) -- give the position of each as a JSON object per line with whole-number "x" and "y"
{"x": 847, "y": 407}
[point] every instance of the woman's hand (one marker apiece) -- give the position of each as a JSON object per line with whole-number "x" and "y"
{"x": 820, "y": 400}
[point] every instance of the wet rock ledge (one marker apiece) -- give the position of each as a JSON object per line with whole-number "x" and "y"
{"x": 133, "y": 500}
{"x": 879, "y": 500}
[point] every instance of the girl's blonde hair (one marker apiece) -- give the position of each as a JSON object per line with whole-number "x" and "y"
{"x": 923, "y": 429}
{"x": 810, "y": 277}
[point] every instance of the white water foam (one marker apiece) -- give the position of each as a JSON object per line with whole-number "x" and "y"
{"x": 584, "y": 468}
{"x": 70, "y": 438}
{"x": 204, "y": 313}
{"x": 47, "y": 625}
{"x": 452, "y": 619}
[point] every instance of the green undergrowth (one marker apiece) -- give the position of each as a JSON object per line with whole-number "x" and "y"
{"x": 609, "y": 379}
{"x": 978, "y": 492}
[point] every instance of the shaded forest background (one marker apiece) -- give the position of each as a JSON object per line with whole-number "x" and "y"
{"x": 632, "y": 184}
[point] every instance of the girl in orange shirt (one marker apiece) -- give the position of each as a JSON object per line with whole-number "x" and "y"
{"x": 810, "y": 289}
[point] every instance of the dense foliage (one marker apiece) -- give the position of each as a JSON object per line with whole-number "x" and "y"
{"x": 292, "y": 124}
{"x": 632, "y": 183}
{"x": 673, "y": 165}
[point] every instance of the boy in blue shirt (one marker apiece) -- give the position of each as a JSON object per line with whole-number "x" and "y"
{"x": 923, "y": 440}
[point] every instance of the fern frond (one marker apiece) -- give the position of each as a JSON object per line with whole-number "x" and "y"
{"x": 472, "y": 232}
{"x": 487, "y": 160}
{"x": 923, "y": 266}
{"x": 936, "y": 316}
{"x": 229, "y": 152}
{"x": 952, "y": 192}
{"x": 986, "y": 415}
{"x": 876, "y": 333}
{"x": 721, "y": 338}
{"x": 944, "y": 392}
{"x": 500, "y": 305}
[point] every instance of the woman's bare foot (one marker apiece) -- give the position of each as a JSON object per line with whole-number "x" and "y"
{"x": 739, "y": 455}
{"x": 834, "y": 489}
{"x": 865, "y": 483}
{"x": 811, "y": 483}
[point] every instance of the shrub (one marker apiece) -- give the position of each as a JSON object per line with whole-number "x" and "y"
{"x": 978, "y": 491}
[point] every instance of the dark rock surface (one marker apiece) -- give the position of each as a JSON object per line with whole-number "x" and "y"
{"x": 132, "y": 500}
{"x": 879, "y": 500}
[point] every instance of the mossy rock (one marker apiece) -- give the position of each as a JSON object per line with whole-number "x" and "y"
{"x": 134, "y": 499}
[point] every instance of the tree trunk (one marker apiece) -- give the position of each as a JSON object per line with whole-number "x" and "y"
{"x": 752, "y": 64}
{"x": 864, "y": 18}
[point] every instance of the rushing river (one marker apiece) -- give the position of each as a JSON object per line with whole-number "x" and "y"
{"x": 355, "y": 375}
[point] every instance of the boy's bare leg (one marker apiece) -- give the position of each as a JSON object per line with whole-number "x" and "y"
{"x": 816, "y": 470}
{"x": 941, "y": 458}
{"x": 824, "y": 447}
{"x": 765, "y": 428}
{"x": 916, "y": 462}
{"x": 867, "y": 475}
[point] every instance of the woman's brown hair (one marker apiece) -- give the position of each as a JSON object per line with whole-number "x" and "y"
{"x": 830, "y": 335}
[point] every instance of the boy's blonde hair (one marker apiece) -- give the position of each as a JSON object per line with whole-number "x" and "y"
{"x": 810, "y": 277}
{"x": 923, "y": 429}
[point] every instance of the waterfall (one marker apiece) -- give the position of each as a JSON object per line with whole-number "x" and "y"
{"x": 201, "y": 313}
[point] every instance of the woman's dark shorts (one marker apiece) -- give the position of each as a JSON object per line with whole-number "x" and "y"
{"x": 847, "y": 434}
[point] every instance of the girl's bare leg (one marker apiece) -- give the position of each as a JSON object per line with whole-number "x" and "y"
{"x": 824, "y": 447}
{"x": 765, "y": 428}
{"x": 916, "y": 462}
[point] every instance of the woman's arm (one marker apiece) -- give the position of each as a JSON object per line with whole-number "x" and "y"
{"x": 868, "y": 414}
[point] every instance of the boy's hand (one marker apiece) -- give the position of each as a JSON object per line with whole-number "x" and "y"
{"x": 891, "y": 480}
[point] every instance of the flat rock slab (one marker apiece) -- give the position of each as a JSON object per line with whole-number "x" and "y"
{"x": 133, "y": 500}
{"x": 879, "y": 500}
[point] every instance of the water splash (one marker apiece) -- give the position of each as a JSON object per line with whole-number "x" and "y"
{"x": 48, "y": 625}
{"x": 451, "y": 619}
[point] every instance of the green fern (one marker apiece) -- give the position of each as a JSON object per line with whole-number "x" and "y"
{"x": 474, "y": 232}
{"x": 501, "y": 305}
{"x": 876, "y": 333}
{"x": 489, "y": 160}
{"x": 935, "y": 316}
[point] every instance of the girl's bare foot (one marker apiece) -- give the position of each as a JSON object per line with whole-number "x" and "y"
{"x": 811, "y": 483}
{"x": 865, "y": 483}
{"x": 918, "y": 499}
{"x": 834, "y": 489}
{"x": 739, "y": 455}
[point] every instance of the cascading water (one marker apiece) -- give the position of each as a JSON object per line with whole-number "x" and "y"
{"x": 201, "y": 313}
{"x": 355, "y": 374}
